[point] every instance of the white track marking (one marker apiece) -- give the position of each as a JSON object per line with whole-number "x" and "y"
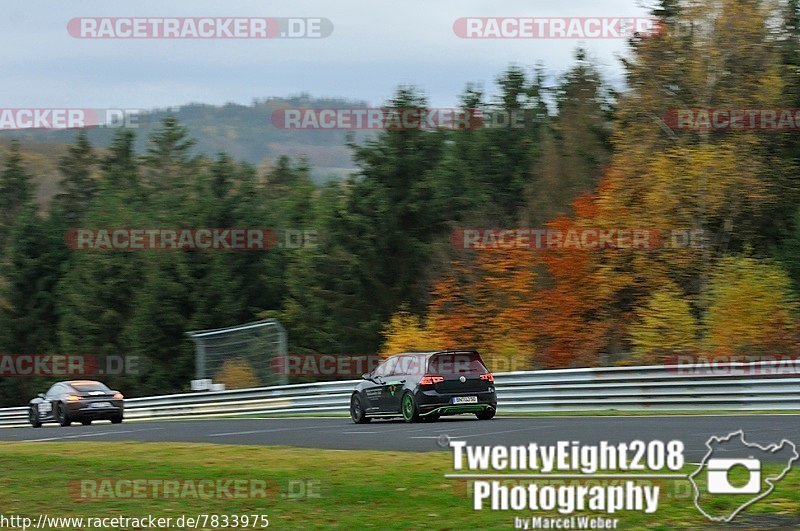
{"x": 275, "y": 430}
{"x": 82, "y": 435}
{"x": 499, "y": 432}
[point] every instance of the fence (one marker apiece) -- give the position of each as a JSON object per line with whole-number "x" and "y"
{"x": 735, "y": 386}
{"x": 246, "y": 350}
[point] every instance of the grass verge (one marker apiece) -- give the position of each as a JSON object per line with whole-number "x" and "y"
{"x": 320, "y": 489}
{"x": 603, "y": 413}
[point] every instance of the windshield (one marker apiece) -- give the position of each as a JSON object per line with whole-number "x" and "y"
{"x": 89, "y": 386}
{"x": 456, "y": 363}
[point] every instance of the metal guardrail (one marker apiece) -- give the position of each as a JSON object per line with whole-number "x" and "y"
{"x": 772, "y": 385}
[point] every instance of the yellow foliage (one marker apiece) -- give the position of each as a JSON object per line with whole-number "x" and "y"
{"x": 406, "y": 332}
{"x": 751, "y": 307}
{"x": 665, "y": 327}
{"x": 506, "y": 355}
{"x": 237, "y": 373}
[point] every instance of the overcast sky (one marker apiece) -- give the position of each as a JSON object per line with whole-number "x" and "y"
{"x": 375, "y": 46}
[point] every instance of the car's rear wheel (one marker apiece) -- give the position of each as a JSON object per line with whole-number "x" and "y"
{"x": 87, "y": 422}
{"x": 63, "y": 417}
{"x": 409, "y": 408}
{"x": 357, "y": 412}
{"x": 486, "y": 414}
{"x": 116, "y": 420}
{"x": 33, "y": 417}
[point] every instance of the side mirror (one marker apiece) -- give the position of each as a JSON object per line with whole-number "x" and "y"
{"x": 365, "y": 376}
{"x": 40, "y": 395}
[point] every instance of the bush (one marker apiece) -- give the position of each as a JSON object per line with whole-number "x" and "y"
{"x": 237, "y": 373}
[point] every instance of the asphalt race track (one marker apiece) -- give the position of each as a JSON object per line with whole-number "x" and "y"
{"x": 341, "y": 434}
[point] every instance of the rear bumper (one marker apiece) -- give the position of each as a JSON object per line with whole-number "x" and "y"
{"x": 431, "y": 402}
{"x": 457, "y": 409}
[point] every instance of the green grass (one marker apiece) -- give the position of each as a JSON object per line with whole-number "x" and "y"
{"x": 501, "y": 413}
{"x": 357, "y": 489}
{"x": 643, "y": 413}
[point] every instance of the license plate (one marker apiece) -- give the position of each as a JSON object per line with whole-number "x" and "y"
{"x": 100, "y": 404}
{"x": 465, "y": 400}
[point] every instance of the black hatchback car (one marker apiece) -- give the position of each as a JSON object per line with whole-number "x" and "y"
{"x": 426, "y": 385}
{"x": 77, "y": 400}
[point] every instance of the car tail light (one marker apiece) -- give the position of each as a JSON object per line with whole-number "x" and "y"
{"x": 73, "y": 398}
{"x": 118, "y": 396}
{"x": 430, "y": 380}
{"x": 489, "y": 377}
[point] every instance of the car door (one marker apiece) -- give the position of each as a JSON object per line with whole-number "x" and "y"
{"x": 373, "y": 389}
{"x": 395, "y": 381}
{"x": 388, "y": 386}
{"x": 47, "y": 405}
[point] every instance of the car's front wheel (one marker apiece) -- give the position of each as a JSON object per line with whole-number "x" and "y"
{"x": 33, "y": 417}
{"x": 357, "y": 412}
{"x": 486, "y": 414}
{"x": 409, "y": 408}
{"x": 116, "y": 420}
{"x": 63, "y": 417}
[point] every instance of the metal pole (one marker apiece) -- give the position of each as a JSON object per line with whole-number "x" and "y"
{"x": 200, "y": 359}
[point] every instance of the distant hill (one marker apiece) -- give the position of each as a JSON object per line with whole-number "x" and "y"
{"x": 243, "y": 131}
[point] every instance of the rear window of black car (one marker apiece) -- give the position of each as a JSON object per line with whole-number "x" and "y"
{"x": 456, "y": 363}
{"x": 89, "y": 386}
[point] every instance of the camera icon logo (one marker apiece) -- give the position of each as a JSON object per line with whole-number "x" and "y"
{"x": 739, "y": 477}
{"x": 718, "y": 479}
